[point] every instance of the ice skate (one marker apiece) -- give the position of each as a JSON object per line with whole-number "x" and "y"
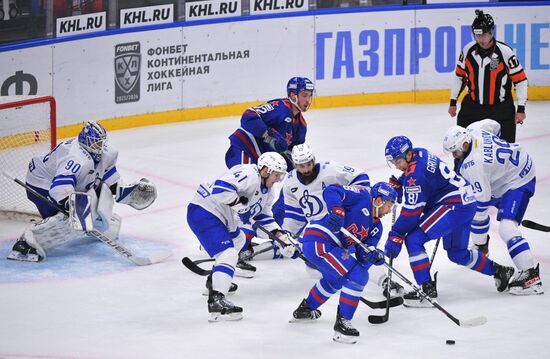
{"x": 344, "y": 332}
{"x": 483, "y": 248}
{"x": 396, "y": 289}
{"x": 244, "y": 269}
{"x": 414, "y": 300}
{"x": 222, "y": 309}
{"x": 527, "y": 282}
{"x": 502, "y": 276}
{"x": 22, "y": 251}
{"x": 232, "y": 288}
{"x": 305, "y": 314}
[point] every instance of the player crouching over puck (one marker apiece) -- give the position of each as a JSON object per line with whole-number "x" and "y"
{"x": 354, "y": 208}
{"x": 245, "y": 193}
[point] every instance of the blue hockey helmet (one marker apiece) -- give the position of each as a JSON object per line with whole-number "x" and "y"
{"x": 397, "y": 147}
{"x": 299, "y": 84}
{"x": 483, "y": 23}
{"x": 384, "y": 190}
{"x": 92, "y": 138}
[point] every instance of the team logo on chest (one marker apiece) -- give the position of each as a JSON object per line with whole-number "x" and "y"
{"x": 310, "y": 204}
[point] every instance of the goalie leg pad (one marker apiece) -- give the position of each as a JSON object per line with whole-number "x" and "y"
{"x": 104, "y": 210}
{"x": 49, "y": 233}
{"x": 114, "y": 226}
{"x": 52, "y": 232}
{"x": 139, "y": 195}
{"x": 80, "y": 211}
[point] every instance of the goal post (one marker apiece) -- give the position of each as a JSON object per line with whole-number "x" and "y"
{"x": 27, "y": 129}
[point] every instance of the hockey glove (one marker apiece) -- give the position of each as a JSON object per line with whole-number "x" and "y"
{"x": 397, "y": 187}
{"x": 376, "y": 256}
{"x": 239, "y": 204}
{"x": 335, "y": 219}
{"x": 287, "y": 250}
{"x": 393, "y": 244}
{"x": 139, "y": 195}
{"x": 276, "y": 141}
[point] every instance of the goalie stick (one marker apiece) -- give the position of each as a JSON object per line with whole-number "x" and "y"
{"x": 375, "y": 305}
{"x": 140, "y": 261}
{"x": 534, "y": 225}
{"x": 193, "y": 265}
{"x": 474, "y": 322}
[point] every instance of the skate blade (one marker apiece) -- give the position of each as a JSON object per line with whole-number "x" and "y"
{"x": 533, "y": 290}
{"x": 16, "y": 256}
{"x": 218, "y": 317}
{"x": 304, "y": 321}
{"x": 418, "y": 304}
{"x": 244, "y": 273}
{"x": 205, "y": 292}
{"x": 346, "y": 339}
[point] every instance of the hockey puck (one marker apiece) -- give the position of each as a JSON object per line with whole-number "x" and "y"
{"x": 450, "y": 342}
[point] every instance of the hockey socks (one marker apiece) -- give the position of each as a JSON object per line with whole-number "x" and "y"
{"x": 520, "y": 252}
{"x": 320, "y": 293}
{"x": 349, "y": 298}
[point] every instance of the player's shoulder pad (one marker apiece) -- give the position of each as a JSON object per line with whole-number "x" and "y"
{"x": 110, "y": 154}
{"x": 78, "y": 152}
{"x": 291, "y": 174}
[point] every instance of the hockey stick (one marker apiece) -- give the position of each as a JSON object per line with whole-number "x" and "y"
{"x": 379, "y": 319}
{"x": 433, "y": 253}
{"x": 534, "y": 225}
{"x": 193, "y": 265}
{"x": 383, "y": 304}
{"x": 474, "y": 322}
{"x": 140, "y": 261}
{"x": 374, "y": 305}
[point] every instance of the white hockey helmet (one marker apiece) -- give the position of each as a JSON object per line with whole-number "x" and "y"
{"x": 455, "y": 138}
{"x": 273, "y": 161}
{"x": 302, "y": 154}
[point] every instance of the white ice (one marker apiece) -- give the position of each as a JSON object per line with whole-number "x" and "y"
{"x": 86, "y": 301}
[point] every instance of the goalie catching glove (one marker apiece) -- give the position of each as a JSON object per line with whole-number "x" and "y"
{"x": 139, "y": 195}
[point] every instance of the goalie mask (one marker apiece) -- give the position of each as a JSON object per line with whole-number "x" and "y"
{"x": 92, "y": 138}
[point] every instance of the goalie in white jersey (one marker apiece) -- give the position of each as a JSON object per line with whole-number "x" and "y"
{"x": 245, "y": 193}
{"x": 502, "y": 174}
{"x": 85, "y": 165}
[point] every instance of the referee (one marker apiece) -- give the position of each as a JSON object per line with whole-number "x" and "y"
{"x": 487, "y": 68}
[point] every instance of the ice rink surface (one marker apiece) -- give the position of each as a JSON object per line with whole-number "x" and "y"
{"x": 87, "y": 302}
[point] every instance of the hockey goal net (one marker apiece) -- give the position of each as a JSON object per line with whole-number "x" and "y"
{"x": 27, "y": 129}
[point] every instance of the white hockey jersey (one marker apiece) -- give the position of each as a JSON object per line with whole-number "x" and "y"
{"x": 69, "y": 167}
{"x": 241, "y": 180}
{"x": 495, "y": 166}
{"x": 305, "y": 203}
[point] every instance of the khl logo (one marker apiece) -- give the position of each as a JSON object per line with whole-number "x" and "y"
{"x": 19, "y": 80}
{"x": 127, "y": 72}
